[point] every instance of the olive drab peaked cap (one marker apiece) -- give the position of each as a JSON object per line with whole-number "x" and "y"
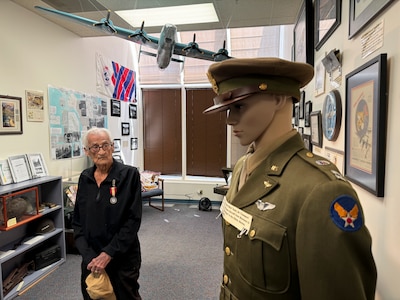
{"x": 238, "y": 78}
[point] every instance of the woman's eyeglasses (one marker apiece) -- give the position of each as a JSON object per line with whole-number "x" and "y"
{"x": 96, "y": 148}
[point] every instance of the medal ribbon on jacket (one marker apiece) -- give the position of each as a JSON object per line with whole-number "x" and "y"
{"x": 113, "y": 192}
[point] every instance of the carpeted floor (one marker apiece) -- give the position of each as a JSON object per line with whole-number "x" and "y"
{"x": 181, "y": 252}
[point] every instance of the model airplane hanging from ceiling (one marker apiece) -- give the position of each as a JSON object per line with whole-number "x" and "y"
{"x": 165, "y": 45}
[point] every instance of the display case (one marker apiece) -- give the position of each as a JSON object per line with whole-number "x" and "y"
{"x": 18, "y": 208}
{"x": 23, "y": 246}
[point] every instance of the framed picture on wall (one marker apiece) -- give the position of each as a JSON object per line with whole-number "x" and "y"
{"x": 117, "y": 145}
{"x": 34, "y": 106}
{"x": 134, "y": 143}
{"x": 327, "y": 19}
{"x": 364, "y": 12}
{"x": 303, "y": 43}
{"x": 307, "y": 112}
{"x": 366, "y": 118}
{"x": 316, "y": 128}
{"x": 132, "y": 111}
{"x": 115, "y": 107}
{"x": 125, "y": 128}
{"x": 10, "y": 115}
{"x": 307, "y": 141}
{"x": 301, "y": 104}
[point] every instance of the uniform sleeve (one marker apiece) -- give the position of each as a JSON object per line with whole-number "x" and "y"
{"x": 333, "y": 245}
{"x": 127, "y": 235}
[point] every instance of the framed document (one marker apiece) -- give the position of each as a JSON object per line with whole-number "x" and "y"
{"x": 303, "y": 43}
{"x": 37, "y": 165}
{"x": 316, "y": 128}
{"x": 364, "y": 12}
{"x": 327, "y": 19}
{"x": 366, "y": 118}
{"x": 5, "y": 173}
{"x": 19, "y": 167}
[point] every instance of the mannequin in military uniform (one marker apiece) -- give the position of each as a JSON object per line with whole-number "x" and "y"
{"x": 293, "y": 226}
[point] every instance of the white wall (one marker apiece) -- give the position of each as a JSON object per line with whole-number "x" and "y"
{"x": 37, "y": 53}
{"x": 381, "y": 214}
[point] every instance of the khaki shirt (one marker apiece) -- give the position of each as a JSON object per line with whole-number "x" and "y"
{"x": 311, "y": 243}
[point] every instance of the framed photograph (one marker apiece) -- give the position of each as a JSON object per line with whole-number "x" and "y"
{"x": 366, "y": 118}
{"x": 301, "y": 104}
{"x": 364, "y": 12}
{"x": 307, "y": 141}
{"x": 316, "y": 128}
{"x": 5, "y": 173}
{"x": 327, "y": 19}
{"x": 117, "y": 145}
{"x": 303, "y": 43}
{"x": 19, "y": 167}
{"x": 10, "y": 115}
{"x": 115, "y": 107}
{"x": 34, "y": 106}
{"x": 134, "y": 143}
{"x": 132, "y": 111}
{"x": 37, "y": 165}
{"x": 296, "y": 115}
{"x": 307, "y": 112}
{"x": 125, "y": 128}
{"x": 300, "y": 130}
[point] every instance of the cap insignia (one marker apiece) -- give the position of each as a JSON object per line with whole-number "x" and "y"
{"x": 213, "y": 82}
{"x": 345, "y": 213}
{"x": 263, "y": 86}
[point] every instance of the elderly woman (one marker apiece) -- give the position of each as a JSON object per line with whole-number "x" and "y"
{"x": 107, "y": 217}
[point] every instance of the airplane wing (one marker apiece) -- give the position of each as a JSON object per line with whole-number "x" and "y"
{"x": 140, "y": 36}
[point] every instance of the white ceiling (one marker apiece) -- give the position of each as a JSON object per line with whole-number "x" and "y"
{"x": 232, "y": 13}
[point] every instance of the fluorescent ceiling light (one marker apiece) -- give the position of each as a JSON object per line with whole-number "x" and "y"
{"x": 183, "y": 14}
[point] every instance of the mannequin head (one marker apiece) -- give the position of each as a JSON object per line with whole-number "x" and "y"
{"x": 260, "y": 118}
{"x": 258, "y": 94}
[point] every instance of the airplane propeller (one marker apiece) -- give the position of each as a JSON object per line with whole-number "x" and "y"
{"x": 222, "y": 54}
{"x": 141, "y": 34}
{"x": 192, "y": 48}
{"x": 107, "y": 23}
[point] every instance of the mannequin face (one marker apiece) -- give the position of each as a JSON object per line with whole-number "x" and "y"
{"x": 251, "y": 117}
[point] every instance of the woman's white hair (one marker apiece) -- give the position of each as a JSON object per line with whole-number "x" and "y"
{"x": 95, "y": 130}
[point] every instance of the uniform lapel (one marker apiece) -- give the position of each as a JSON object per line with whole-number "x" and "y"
{"x": 265, "y": 178}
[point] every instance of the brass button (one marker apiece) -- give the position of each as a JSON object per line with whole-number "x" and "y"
{"x": 274, "y": 168}
{"x": 252, "y": 233}
{"x": 309, "y": 154}
{"x": 227, "y": 251}
{"x": 226, "y": 279}
{"x": 263, "y": 86}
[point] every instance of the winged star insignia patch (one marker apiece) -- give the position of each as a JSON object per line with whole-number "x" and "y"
{"x": 345, "y": 213}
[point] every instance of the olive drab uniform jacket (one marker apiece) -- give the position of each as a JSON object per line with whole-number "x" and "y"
{"x": 307, "y": 238}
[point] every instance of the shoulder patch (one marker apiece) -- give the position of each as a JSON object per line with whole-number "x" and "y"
{"x": 346, "y": 214}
